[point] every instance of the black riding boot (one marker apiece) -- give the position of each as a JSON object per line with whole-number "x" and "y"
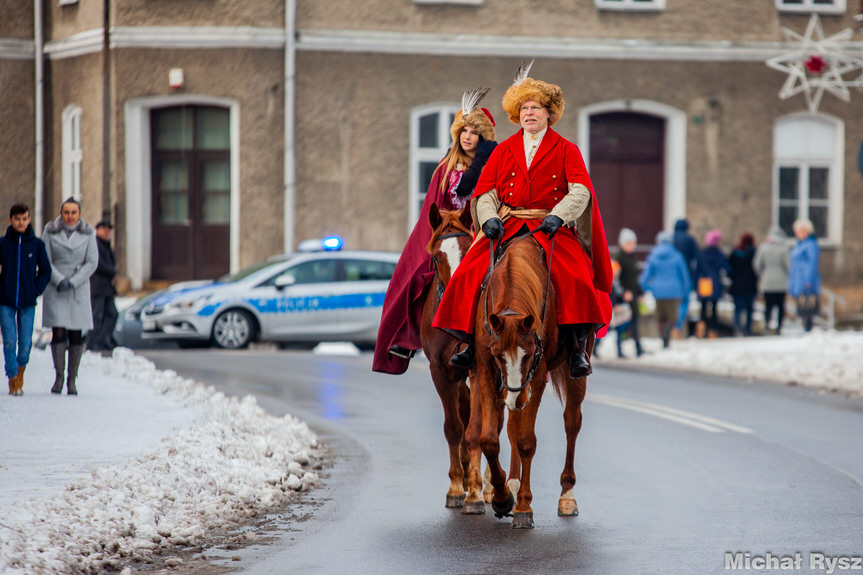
{"x": 402, "y": 352}
{"x": 579, "y": 361}
{"x": 465, "y": 357}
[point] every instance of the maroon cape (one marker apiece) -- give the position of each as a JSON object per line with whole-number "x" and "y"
{"x": 403, "y": 303}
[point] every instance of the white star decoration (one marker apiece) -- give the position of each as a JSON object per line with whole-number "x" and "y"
{"x": 817, "y": 65}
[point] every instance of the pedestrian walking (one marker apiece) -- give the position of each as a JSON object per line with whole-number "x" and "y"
{"x": 24, "y": 273}
{"x": 772, "y": 263}
{"x": 72, "y": 249}
{"x": 804, "y": 281}
{"x": 102, "y": 293}
{"x": 688, "y": 248}
{"x": 744, "y": 283}
{"x": 666, "y": 275}
{"x": 627, "y": 242}
{"x": 713, "y": 268}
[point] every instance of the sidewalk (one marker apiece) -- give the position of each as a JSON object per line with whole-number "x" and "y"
{"x": 140, "y": 462}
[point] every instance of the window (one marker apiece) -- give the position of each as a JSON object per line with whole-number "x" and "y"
{"x": 823, "y": 6}
{"x": 368, "y": 270}
{"x": 808, "y": 155}
{"x": 71, "y": 152}
{"x": 430, "y": 141}
{"x": 312, "y": 272}
{"x": 632, "y": 5}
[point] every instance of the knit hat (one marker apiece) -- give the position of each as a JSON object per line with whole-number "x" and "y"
{"x": 664, "y": 237}
{"x": 713, "y": 237}
{"x": 524, "y": 89}
{"x": 626, "y": 235}
{"x": 472, "y": 115}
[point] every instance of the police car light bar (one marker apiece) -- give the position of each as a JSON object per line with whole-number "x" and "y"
{"x": 328, "y": 244}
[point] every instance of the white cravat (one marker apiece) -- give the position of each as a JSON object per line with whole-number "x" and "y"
{"x": 531, "y": 144}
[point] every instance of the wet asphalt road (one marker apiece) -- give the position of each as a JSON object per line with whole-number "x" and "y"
{"x": 673, "y": 472}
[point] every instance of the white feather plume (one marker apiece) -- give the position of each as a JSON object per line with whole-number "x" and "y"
{"x": 471, "y": 98}
{"x": 521, "y": 74}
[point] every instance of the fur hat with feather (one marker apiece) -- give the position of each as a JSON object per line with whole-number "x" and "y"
{"x": 524, "y": 88}
{"x": 471, "y": 114}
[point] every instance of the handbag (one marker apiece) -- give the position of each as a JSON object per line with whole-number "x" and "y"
{"x": 621, "y": 313}
{"x": 705, "y": 287}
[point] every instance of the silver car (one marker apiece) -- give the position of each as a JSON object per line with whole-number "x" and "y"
{"x": 304, "y": 297}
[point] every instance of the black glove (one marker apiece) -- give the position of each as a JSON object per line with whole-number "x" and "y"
{"x": 550, "y": 224}
{"x": 493, "y": 228}
{"x": 63, "y": 285}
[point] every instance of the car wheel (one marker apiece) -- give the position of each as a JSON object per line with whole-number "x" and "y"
{"x": 234, "y": 329}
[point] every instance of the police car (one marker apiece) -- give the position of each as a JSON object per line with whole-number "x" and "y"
{"x": 309, "y": 296}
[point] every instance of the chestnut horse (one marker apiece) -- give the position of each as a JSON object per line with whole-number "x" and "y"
{"x": 516, "y": 349}
{"x": 450, "y": 240}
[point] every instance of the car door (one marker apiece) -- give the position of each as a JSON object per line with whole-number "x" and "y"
{"x": 362, "y": 288}
{"x": 300, "y": 303}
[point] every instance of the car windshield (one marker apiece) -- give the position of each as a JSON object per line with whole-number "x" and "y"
{"x": 246, "y": 272}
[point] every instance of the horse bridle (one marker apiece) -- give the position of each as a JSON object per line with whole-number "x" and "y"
{"x": 538, "y": 352}
{"x": 441, "y": 285}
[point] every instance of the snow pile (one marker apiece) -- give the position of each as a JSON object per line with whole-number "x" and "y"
{"x": 234, "y": 464}
{"x": 829, "y": 360}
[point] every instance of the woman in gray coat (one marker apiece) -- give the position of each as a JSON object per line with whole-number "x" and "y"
{"x": 71, "y": 246}
{"x": 772, "y": 264}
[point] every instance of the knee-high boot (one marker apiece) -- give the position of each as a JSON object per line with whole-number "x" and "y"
{"x": 75, "y": 353}
{"x": 579, "y": 361}
{"x": 58, "y": 353}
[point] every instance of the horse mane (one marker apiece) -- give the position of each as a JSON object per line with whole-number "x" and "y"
{"x": 448, "y": 219}
{"x": 518, "y": 284}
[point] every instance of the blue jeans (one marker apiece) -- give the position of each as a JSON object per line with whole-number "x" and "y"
{"x": 17, "y": 328}
{"x": 743, "y": 309}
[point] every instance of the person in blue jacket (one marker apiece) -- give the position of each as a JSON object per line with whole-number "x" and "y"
{"x": 24, "y": 274}
{"x": 666, "y": 275}
{"x": 804, "y": 277}
{"x": 712, "y": 268}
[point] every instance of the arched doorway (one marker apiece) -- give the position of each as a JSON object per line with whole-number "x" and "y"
{"x": 627, "y": 164}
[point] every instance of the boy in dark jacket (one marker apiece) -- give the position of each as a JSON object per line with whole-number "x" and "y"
{"x": 102, "y": 292}
{"x": 24, "y": 274}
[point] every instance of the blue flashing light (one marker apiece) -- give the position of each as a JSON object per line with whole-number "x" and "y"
{"x": 332, "y": 243}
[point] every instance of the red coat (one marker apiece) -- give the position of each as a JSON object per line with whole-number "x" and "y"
{"x": 582, "y": 280}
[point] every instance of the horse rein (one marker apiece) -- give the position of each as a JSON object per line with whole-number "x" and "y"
{"x": 537, "y": 355}
{"x": 441, "y": 285}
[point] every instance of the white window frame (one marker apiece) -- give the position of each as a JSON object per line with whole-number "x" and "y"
{"x": 418, "y": 154}
{"x": 836, "y": 175}
{"x": 808, "y": 6}
{"x": 71, "y": 152}
{"x": 631, "y": 5}
{"x": 68, "y": 2}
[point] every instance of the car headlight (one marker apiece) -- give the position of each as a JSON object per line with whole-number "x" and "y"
{"x": 187, "y": 304}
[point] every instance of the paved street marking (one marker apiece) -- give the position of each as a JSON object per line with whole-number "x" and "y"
{"x": 695, "y": 420}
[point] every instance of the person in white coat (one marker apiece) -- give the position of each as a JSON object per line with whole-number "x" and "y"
{"x": 71, "y": 246}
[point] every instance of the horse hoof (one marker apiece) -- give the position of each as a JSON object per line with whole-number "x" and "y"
{"x": 567, "y": 508}
{"x": 503, "y": 509}
{"x": 522, "y": 520}
{"x": 455, "y": 500}
{"x": 473, "y": 508}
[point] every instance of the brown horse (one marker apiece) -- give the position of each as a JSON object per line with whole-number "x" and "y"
{"x": 449, "y": 242}
{"x": 516, "y": 349}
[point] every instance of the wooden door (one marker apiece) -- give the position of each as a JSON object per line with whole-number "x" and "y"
{"x": 627, "y": 166}
{"x": 191, "y": 192}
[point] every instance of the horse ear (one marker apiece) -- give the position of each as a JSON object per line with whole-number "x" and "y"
{"x": 466, "y": 217}
{"x": 527, "y": 323}
{"x": 434, "y": 216}
{"x": 495, "y": 322}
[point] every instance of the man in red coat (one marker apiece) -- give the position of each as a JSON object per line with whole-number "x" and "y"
{"x": 537, "y": 179}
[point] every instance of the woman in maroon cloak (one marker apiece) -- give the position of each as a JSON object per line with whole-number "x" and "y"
{"x": 451, "y": 188}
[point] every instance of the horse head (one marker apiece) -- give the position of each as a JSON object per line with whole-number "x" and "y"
{"x": 516, "y": 348}
{"x": 451, "y": 237}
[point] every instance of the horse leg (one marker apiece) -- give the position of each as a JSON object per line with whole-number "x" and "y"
{"x": 473, "y": 503}
{"x": 513, "y": 480}
{"x": 488, "y": 490}
{"x": 522, "y": 517}
{"x": 572, "y": 417}
{"x": 492, "y": 412}
{"x": 453, "y": 430}
{"x": 464, "y": 414}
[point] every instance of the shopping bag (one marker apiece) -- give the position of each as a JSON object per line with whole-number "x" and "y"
{"x": 705, "y": 287}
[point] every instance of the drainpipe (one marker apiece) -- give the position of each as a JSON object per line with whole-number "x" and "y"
{"x": 39, "y": 188}
{"x": 290, "y": 154}
{"x": 106, "y": 111}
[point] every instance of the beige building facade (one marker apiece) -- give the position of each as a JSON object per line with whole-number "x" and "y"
{"x": 224, "y": 139}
